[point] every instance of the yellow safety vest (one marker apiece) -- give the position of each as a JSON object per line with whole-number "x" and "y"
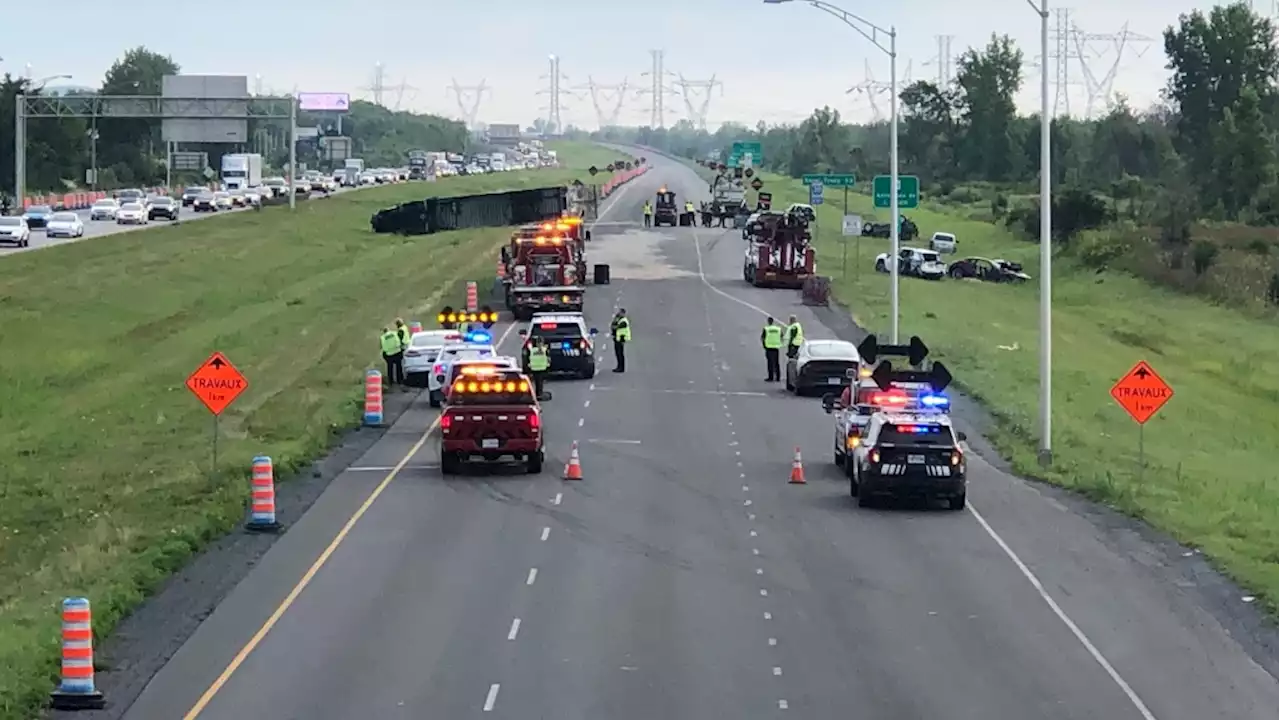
{"x": 390, "y": 343}
{"x": 622, "y": 330}
{"x": 772, "y": 337}
{"x": 538, "y": 359}
{"x": 404, "y": 335}
{"x": 648, "y": 209}
{"x": 796, "y": 332}
{"x": 688, "y": 207}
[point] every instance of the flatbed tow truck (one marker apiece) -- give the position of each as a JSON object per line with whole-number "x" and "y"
{"x": 779, "y": 252}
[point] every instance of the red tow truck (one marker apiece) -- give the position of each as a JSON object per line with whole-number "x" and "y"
{"x": 490, "y": 415}
{"x": 544, "y": 273}
{"x": 779, "y": 252}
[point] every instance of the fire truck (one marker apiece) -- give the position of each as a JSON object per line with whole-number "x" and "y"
{"x": 544, "y": 273}
{"x": 779, "y": 252}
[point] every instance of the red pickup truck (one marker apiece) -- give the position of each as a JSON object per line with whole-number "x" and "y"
{"x": 490, "y": 415}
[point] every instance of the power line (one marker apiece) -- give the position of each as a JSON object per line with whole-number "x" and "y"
{"x": 379, "y": 87}
{"x": 698, "y": 114}
{"x": 468, "y": 97}
{"x": 872, "y": 88}
{"x": 659, "y": 89}
{"x": 617, "y": 94}
{"x": 1101, "y": 89}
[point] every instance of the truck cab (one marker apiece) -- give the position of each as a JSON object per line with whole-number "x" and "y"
{"x": 490, "y": 416}
{"x": 544, "y": 275}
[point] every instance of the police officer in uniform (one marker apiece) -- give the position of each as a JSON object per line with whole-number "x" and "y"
{"x": 771, "y": 340}
{"x": 620, "y": 328}
{"x": 795, "y": 336}
{"x": 393, "y": 354}
{"x": 648, "y": 214}
{"x": 402, "y": 332}
{"x": 538, "y": 362}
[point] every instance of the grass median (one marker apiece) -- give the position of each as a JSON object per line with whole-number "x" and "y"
{"x": 1209, "y": 476}
{"x": 106, "y": 486}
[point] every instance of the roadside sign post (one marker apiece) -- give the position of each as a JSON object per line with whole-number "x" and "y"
{"x": 850, "y": 227}
{"x": 217, "y": 383}
{"x": 1141, "y": 392}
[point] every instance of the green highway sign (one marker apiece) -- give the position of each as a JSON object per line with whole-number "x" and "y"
{"x": 746, "y": 148}
{"x": 835, "y": 181}
{"x": 908, "y": 191}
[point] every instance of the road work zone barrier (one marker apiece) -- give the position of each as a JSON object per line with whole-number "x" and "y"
{"x": 622, "y": 178}
{"x": 77, "y": 200}
{"x": 797, "y": 469}
{"x": 372, "y": 398}
{"x": 76, "y": 691}
{"x": 473, "y": 300}
{"x": 262, "y": 515}
{"x": 573, "y": 470}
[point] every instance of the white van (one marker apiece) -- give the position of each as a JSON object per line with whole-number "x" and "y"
{"x": 943, "y": 242}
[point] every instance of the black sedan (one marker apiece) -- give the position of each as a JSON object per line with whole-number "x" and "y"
{"x": 204, "y": 203}
{"x": 997, "y": 270}
{"x": 163, "y": 207}
{"x": 822, "y": 366}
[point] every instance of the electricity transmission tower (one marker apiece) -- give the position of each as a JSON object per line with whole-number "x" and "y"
{"x": 1101, "y": 89}
{"x": 468, "y": 97}
{"x": 872, "y": 88}
{"x": 555, "y": 95}
{"x": 617, "y": 94}
{"x": 698, "y": 114}
{"x": 659, "y": 89}
{"x": 379, "y": 88}
{"x": 943, "y": 62}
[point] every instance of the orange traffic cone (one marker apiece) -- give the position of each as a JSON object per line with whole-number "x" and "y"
{"x": 797, "y": 470}
{"x": 573, "y": 471}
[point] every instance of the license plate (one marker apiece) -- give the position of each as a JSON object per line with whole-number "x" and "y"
{"x": 489, "y": 443}
{"x": 915, "y": 459}
{"x": 834, "y": 381}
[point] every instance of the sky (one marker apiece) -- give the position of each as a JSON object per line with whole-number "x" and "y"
{"x": 772, "y": 62}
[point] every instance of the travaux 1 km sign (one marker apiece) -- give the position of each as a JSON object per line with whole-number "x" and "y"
{"x": 217, "y": 383}
{"x": 1142, "y": 392}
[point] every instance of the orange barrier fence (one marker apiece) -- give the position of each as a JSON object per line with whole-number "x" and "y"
{"x": 622, "y": 178}
{"x": 78, "y": 200}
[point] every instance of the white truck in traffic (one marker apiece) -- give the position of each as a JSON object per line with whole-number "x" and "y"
{"x": 241, "y": 171}
{"x": 353, "y": 168}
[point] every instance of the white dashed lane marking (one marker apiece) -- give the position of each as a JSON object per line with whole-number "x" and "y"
{"x": 546, "y": 531}
{"x": 556, "y": 500}
{"x": 492, "y": 698}
{"x": 515, "y": 629}
{"x": 533, "y": 575}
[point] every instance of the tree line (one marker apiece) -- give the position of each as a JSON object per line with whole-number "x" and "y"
{"x": 131, "y": 152}
{"x": 1159, "y": 180}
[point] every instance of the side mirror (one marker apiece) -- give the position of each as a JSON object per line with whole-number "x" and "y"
{"x": 593, "y": 331}
{"x": 961, "y": 437}
{"x": 828, "y": 402}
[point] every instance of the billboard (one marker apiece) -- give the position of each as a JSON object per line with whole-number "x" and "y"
{"x": 204, "y": 108}
{"x": 324, "y": 102}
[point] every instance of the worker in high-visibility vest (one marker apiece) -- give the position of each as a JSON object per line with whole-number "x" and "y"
{"x": 402, "y": 332}
{"x": 393, "y": 354}
{"x": 620, "y": 328}
{"x": 795, "y": 336}
{"x": 771, "y": 340}
{"x": 539, "y": 363}
{"x": 648, "y": 213}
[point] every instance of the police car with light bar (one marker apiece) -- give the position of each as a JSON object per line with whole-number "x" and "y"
{"x": 909, "y": 455}
{"x": 570, "y": 342}
{"x": 476, "y": 344}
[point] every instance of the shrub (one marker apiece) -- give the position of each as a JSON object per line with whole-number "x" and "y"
{"x": 1203, "y": 254}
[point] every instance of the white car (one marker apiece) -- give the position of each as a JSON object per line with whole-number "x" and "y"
{"x": 277, "y": 185}
{"x": 422, "y": 351}
{"x": 64, "y": 224}
{"x": 254, "y": 195}
{"x": 223, "y": 201}
{"x": 449, "y": 354}
{"x": 822, "y": 365}
{"x": 916, "y": 262}
{"x": 14, "y": 230}
{"x": 132, "y": 213}
{"x": 368, "y": 178}
{"x": 943, "y": 242}
{"x": 104, "y": 209}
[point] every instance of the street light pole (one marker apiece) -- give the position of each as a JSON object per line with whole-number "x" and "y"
{"x": 872, "y": 32}
{"x": 1045, "y": 454}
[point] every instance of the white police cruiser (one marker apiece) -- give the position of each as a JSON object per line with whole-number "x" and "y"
{"x": 476, "y": 344}
{"x": 912, "y": 455}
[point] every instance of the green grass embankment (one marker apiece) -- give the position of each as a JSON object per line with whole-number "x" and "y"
{"x": 105, "y": 485}
{"x": 1210, "y": 462}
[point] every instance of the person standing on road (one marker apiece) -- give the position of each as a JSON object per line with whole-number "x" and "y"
{"x": 393, "y": 354}
{"x": 539, "y": 362}
{"x": 648, "y": 214}
{"x": 405, "y": 335}
{"x": 795, "y": 336}
{"x": 620, "y": 328}
{"x": 771, "y": 340}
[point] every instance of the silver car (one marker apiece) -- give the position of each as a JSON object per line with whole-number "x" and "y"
{"x": 64, "y": 224}
{"x": 104, "y": 210}
{"x": 132, "y": 213}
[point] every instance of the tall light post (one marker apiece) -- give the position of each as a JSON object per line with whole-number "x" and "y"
{"x": 1046, "y": 242}
{"x": 873, "y": 33}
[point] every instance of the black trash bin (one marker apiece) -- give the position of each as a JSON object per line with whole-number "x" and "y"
{"x": 602, "y": 274}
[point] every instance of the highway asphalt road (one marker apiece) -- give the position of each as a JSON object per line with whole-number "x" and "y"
{"x": 683, "y": 578}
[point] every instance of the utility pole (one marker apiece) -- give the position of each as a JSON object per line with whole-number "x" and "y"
{"x": 469, "y": 97}
{"x": 698, "y": 115}
{"x": 658, "y": 89}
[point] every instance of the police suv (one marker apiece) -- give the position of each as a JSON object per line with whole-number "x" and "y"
{"x": 911, "y": 455}
{"x": 571, "y": 343}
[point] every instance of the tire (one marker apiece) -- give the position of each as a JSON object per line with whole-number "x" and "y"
{"x": 837, "y": 459}
{"x": 533, "y": 465}
{"x": 450, "y": 463}
{"x": 957, "y": 502}
{"x": 864, "y": 500}
{"x": 589, "y": 373}
{"x": 789, "y": 385}
{"x": 848, "y": 472}
{"x": 434, "y": 398}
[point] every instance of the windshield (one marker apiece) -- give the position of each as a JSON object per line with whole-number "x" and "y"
{"x": 105, "y": 203}
{"x": 929, "y": 257}
{"x": 832, "y": 350}
{"x": 131, "y": 206}
{"x": 423, "y": 340}
{"x": 557, "y": 330}
{"x": 40, "y": 209}
{"x": 162, "y": 201}
{"x": 193, "y": 190}
{"x": 64, "y": 217}
{"x": 10, "y": 222}
{"x": 274, "y": 181}
{"x": 915, "y": 435}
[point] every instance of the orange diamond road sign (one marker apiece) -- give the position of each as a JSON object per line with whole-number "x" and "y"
{"x": 1142, "y": 392}
{"x": 217, "y": 383}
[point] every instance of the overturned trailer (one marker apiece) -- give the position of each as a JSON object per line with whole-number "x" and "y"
{"x": 442, "y": 214}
